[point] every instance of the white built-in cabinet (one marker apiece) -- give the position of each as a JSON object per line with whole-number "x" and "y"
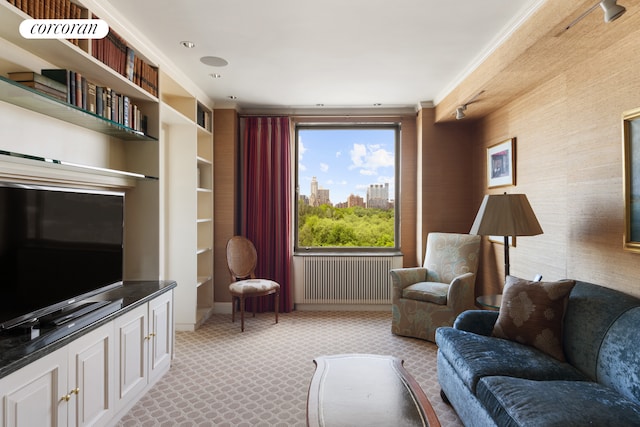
{"x": 167, "y": 175}
{"x": 144, "y": 349}
{"x": 96, "y": 378}
{"x": 71, "y": 387}
{"x": 188, "y": 142}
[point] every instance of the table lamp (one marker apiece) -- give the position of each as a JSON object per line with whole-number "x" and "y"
{"x": 506, "y": 215}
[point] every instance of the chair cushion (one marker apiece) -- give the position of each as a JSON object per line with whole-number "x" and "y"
{"x": 532, "y": 313}
{"x": 427, "y": 291}
{"x": 251, "y": 286}
{"x": 520, "y": 402}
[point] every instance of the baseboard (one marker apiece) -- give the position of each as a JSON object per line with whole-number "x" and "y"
{"x": 225, "y": 307}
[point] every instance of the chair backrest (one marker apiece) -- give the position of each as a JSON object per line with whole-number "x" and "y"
{"x": 241, "y": 258}
{"x": 449, "y": 255}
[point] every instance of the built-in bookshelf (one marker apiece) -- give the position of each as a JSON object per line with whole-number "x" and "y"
{"x": 188, "y": 139}
{"x": 165, "y": 170}
{"x": 50, "y": 141}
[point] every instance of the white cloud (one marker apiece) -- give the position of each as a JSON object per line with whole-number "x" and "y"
{"x": 301, "y": 167}
{"x": 358, "y": 154}
{"x": 324, "y": 167}
{"x": 370, "y": 158}
{"x": 338, "y": 153}
{"x": 301, "y": 150}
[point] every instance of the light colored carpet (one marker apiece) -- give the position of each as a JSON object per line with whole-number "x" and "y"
{"x": 222, "y": 377}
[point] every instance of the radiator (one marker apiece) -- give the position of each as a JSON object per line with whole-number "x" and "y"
{"x": 344, "y": 279}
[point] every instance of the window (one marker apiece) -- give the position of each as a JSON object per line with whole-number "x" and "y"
{"x": 346, "y": 186}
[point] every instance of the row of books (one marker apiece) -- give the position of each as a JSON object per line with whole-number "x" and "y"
{"x": 50, "y": 9}
{"x": 114, "y": 52}
{"x": 73, "y": 88}
{"x": 111, "y": 50}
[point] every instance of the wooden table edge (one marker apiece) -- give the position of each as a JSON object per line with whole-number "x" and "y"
{"x": 314, "y": 388}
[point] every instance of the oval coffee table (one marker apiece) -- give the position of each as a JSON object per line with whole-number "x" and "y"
{"x": 366, "y": 390}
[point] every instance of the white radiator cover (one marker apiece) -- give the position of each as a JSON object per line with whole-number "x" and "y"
{"x": 353, "y": 280}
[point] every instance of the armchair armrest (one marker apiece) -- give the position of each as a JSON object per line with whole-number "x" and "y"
{"x": 460, "y": 296}
{"x": 477, "y": 321}
{"x": 403, "y": 277}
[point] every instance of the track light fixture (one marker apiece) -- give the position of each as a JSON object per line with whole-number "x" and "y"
{"x": 463, "y": 107}
{"x": 612, "y": 11}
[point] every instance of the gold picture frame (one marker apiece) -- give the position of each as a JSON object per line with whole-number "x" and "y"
{"x": 631, "y": 178}
{"x": 501, "y": 164}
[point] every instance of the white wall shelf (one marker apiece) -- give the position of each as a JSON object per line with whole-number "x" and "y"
{"x": 31, "y": 99}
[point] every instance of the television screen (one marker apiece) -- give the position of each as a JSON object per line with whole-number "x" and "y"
{"x": 56, "y": 245}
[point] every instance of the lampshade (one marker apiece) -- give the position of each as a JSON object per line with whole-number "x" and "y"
{"x": 611, "y": 9}
{"x": 506, "y": 215}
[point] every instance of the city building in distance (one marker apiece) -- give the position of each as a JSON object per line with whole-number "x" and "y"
{"x": 377, "y": 197}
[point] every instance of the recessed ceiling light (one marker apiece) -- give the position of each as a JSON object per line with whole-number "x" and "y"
{"x": 232, "y": 97}
{"x": 188, "y": 44}
{"x": 215, "y": 76}
{"x": 214, "y": 61}
{"x": 377, "y": 104}
{"x": 319, "y": 105}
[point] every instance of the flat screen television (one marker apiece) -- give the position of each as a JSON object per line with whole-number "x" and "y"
{"x": 57, "y": 246}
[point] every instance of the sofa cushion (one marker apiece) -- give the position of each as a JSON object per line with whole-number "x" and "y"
{"x": 427, "y": 291}
{"x": 520, "y": 402}
{"x": 591, "y": 312}
{"x": 475, "y": 356}
{"x": 619, "y": 359}
{"x": 532, "y": 313}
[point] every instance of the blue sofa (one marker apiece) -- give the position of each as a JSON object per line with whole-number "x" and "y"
{"x": 491, "y": 381}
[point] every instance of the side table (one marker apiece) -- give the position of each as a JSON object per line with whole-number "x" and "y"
{"x": 491, "y": 302}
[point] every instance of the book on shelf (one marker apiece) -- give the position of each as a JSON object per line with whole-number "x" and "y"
{"x": 91, "y": 97}
{"x": 62, "y": 96}
{"x": 62, "y": 76}
{"x": 31, "y": 76}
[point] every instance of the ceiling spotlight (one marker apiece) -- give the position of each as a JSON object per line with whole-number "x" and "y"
{"x": 215, "y": 76}
{"x": 188, "y": 44}
{"x": 232, "y": 97}
{"x": 612, "y": 10}
{"x": 460, "y": 112}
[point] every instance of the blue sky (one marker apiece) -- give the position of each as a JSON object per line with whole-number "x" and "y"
{"x": 346, "y": 161}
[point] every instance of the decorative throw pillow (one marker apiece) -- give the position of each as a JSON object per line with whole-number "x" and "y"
{"x": 532, "y": 313}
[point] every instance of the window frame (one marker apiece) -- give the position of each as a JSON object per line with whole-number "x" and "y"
{"x": 355, "y": 124}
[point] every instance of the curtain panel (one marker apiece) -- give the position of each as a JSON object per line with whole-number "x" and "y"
{"x": 266, "y": 201}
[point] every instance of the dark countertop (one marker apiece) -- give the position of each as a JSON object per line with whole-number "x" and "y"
{"x": 18, "y": 351}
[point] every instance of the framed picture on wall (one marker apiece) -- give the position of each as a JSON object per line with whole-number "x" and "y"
{"x": 501, "y": 164}
{"x": 631, "y": 182}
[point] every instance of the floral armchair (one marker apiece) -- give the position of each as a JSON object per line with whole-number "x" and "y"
{"x": 425, "y": 298}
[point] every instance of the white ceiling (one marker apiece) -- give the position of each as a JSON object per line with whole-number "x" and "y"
{"x": 339, "y": 53}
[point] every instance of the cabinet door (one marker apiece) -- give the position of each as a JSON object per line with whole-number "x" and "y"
{"x": 131, "y": 355}
{"x": 161, "y": 335}
{"x": 36, "y": 395}
{"x": 91, "y": 382}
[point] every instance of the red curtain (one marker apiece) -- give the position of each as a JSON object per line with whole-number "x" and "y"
{"x": 266, "y": 201}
